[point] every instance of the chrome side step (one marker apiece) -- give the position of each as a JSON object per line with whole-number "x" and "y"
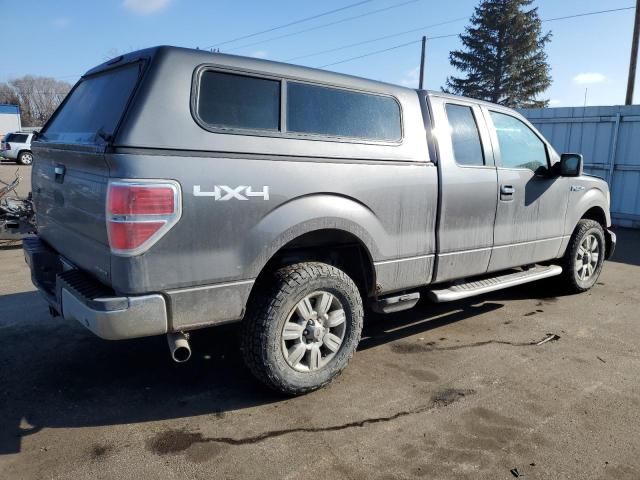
{"x": 478, "y": 287}
{"x": 395, "y": 304}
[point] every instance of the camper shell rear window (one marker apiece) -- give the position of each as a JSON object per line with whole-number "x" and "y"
{"x": 92, "y": 111}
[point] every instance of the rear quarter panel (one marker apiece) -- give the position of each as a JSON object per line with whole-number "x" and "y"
{"x": 389, "y": 206}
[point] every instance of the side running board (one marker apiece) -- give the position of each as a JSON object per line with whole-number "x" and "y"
{"x": 478, "y": 287}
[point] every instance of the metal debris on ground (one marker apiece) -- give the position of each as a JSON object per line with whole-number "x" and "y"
{"x": 515, "y": 472}
{"x": 551, "y": 337}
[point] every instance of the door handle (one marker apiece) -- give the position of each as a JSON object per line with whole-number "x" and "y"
{"x": 506, "y": 193}
{"x": 59, "y": 171}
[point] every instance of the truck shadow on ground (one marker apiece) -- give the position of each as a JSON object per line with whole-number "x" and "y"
{"x": 627, "y": 247}
{"x": 55, "y": 374}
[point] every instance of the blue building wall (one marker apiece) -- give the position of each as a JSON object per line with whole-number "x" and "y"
{"x": 609, "y": 139}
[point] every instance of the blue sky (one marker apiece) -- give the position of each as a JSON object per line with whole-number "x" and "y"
{"x": 67, "y": 37}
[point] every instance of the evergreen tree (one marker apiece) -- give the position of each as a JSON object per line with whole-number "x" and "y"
{"x": 503, "y": 55}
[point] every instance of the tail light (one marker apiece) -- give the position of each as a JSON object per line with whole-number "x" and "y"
{"x": 139, "y": 213}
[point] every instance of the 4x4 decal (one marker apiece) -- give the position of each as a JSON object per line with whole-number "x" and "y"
{"x": 224, "y": 193}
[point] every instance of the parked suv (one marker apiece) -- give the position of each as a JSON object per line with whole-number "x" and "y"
{"x": 17, "y": 147}
{"x": 289, "y": 199}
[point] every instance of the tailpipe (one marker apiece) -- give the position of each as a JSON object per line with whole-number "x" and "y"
{"x": 179, "y": 346}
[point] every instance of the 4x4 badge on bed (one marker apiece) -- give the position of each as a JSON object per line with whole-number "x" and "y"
{"x": 225, "y": 193}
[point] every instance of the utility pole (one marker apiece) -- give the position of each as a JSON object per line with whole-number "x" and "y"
{"x": 422, "y": 55}
{"x": 634, "y": 56}
{"x": 585, "y": 97}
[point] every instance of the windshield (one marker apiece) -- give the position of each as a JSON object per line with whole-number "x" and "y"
{"x": 92, "y": 111}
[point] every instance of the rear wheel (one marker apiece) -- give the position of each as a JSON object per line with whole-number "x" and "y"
{"x": 303, "y": 327}
{"x": 25, "y": 158}
{"x": 584, "y": 257}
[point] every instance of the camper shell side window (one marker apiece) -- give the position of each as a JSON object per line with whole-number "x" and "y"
{"x": 247, "y": 103}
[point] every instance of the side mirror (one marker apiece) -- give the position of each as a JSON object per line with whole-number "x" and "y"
{"x": 571, "y": 165}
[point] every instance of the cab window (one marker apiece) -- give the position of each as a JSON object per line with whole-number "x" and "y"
{"x": 465, "y": 137}
{"x": 519, "y": 146}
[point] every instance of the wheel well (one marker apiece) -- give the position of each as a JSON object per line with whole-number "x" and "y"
{"x": 596, "y": 214}
{"x": 335, "y": 247}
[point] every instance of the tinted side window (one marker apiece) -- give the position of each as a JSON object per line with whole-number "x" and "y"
{"x": 465, "y": 137}
{"x": 519, "y": 146}
{"x": 19, "y": 138}
{"x": 236, "y": 101}
{"x": 340, "y": 113}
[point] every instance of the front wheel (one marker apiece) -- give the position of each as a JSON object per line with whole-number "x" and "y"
{"x": 302, "y": 328}
{"x": 25, "y": 158}
{"x": 582, "y": 262}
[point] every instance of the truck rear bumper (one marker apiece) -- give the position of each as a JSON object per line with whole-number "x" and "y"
{"x": 77, "y": 296}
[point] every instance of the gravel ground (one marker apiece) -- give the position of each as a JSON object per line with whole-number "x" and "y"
{"x": 442, "y": 391}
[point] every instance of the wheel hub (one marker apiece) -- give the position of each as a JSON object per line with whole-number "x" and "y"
{"x": 313, "y": 332}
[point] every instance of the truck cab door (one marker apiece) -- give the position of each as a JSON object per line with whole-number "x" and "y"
{"x": 468, "y": 186}
{"x": 531, "y": 203}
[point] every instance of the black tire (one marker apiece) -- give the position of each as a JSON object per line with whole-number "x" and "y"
{"x": 25, "y": 158}
{"x": 572, "y": 280}
{"x": 276, "y": 300}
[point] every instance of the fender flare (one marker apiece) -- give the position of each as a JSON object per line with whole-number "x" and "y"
{"x": 307, "y": 214}
{"x": 594, "y": 197}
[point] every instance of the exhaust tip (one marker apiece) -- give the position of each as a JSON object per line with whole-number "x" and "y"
{"x": 179, "y": 347}
{"x": 181, "y": 354}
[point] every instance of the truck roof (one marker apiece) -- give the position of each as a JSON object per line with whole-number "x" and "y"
{"x": 197, "y": 57}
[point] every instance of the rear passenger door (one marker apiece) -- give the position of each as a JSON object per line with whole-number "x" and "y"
{"x": 468, "y": 189}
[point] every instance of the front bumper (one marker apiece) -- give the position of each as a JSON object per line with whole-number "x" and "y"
{"x": 76, "y": 295}
{"x": 611, "y": 243}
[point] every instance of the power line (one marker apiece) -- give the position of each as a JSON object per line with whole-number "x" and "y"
{"x": 318, "y": 27}
{"x": 387, "y": 49}
{"x": 295, "y": 22}
{"x": 587, "y": 14}
{"x": 371, "y": 53}
{"x": 457, "y": 34}
{"x": 376, "y": 39}
{"x": 567, "y": 17}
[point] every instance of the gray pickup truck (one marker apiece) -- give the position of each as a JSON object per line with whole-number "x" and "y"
{"x": 178, "y": 189}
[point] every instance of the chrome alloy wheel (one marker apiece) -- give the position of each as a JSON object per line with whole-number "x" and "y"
{"x": 313, "y": 332}
{"x": 587, "y": 257}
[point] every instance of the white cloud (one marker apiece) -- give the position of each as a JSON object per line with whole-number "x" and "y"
{"x": 145, "y": 7}
{"x": 589, "y": 78}
{"x": 259, "y": 54}
{"x": 60, "y": 22}
{"x": 411, "y": 78}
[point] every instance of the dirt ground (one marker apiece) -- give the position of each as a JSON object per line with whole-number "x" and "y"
{"x": 442, "y": 391}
